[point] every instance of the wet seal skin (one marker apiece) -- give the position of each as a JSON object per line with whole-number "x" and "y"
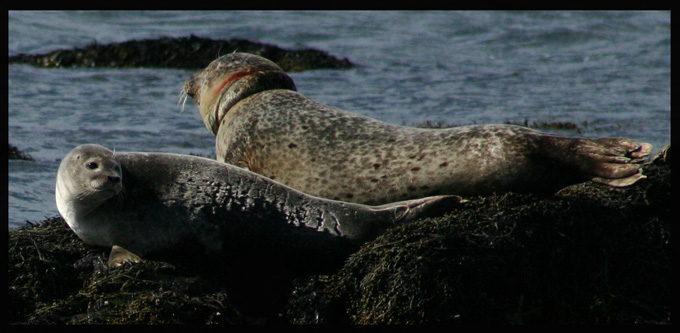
{"x": 261, "y": 123}
{"x": 149, "y": 203}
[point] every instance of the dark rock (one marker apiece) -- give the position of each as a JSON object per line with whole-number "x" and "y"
{"x": 590, "y": 254}
{"x": 184, "y": 52}
{"x": 15, "y": 154}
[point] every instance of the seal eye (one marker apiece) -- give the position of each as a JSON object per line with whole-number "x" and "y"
{"x": 92, "y": 165}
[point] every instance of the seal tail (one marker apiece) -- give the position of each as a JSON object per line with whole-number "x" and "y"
{"x": 404, "y": 211}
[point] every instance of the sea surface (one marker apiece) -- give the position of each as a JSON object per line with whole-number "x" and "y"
{"x": 607, "y": 72}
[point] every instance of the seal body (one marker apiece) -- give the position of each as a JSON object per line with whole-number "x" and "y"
{"x": 264, "y": 125}
{"x": 152, "y": 203}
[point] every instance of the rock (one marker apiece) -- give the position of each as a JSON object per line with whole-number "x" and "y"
{"x": 15, "y": 154}
{"x": 590, "y": 254}
{"x": 183, "y": 52}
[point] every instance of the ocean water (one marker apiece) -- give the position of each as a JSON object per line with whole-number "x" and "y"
{"x": 609, "y": 72}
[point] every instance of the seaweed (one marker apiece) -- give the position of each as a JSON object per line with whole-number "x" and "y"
{"x": 590, "y": 254}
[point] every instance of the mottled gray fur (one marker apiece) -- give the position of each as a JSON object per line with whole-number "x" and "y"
{"x": 169, "y": 199}
{"x": 263, "y": 124}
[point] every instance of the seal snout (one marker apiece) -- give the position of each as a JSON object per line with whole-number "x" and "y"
{"x": 115, "y": 182}
{"x": 191, "y": 86}
{"x": 114, "y": 179}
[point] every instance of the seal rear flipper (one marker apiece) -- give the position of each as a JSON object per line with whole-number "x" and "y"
{"x": 620, "y": 182}
{"x": 120, "y": 256}
{"x": 409, "y": 210}
{"x": 662, "y": 157}
{"x": 611, "y": 161}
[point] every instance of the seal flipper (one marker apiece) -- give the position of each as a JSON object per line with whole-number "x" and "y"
{"x": 662, "y": 157}
{"x": 612, "y": 161}
{"x": 409, "y": 210}
{"x": 621, "y": 182}
{"x": 120, "y": 256}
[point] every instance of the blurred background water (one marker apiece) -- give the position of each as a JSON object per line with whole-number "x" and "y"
{"x": 608, "y": 72}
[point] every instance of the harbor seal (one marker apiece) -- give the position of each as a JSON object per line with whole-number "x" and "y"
{"x": 261, "y": 123}
{"x": 143, "y": 204}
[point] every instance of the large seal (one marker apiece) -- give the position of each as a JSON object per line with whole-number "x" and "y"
{"x": 150, "y": 203}
{"x": 264, "y": 125}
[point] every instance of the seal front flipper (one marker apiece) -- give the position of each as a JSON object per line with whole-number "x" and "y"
{"x": 120, "y": 256}
{"x": 409, "y": 210}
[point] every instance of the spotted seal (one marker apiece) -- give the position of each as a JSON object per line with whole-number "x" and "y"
{"x": 261, "y": 123}
{"x": 147, "y": 203}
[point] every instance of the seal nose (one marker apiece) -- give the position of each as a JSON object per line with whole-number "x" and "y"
{"x": 190, "y": 86}
{"x": 114, "y": 179}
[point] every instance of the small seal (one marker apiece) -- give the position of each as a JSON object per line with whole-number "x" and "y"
{"x": 148, "y": 203}
{"x": 261, "y": 123}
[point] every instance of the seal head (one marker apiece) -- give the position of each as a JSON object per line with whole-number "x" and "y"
{"x": 88, "y": 176}
{"x": 224, "y": 84}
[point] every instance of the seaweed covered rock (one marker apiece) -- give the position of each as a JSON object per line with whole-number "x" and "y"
{"x": 591, "y": 254}
{"x": 55, "y": 279}
{"x": 185, "y": 52}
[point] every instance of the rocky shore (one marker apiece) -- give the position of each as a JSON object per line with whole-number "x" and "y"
{"x": 591, "y": 254}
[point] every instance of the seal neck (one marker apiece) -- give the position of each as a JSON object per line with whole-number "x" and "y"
{"x": 245, "y": 84}
{"x": 233, "y": 78}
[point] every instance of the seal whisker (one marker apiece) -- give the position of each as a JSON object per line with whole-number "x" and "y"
{"x": 182, "y": 100}
{"x": 121, "y": 194}
{"x": 219, "y": 50}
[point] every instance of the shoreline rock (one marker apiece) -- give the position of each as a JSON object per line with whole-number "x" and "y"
{"x": 590, "y": 254}
{"x": 181, "y": 52}
{"x": 15, "y": 154}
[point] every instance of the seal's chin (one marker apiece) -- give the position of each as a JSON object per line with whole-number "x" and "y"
{"x": 117, "y": 189}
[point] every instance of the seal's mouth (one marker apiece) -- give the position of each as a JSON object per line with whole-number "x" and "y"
{"x": 117, "y": 188}
{"x": 108, "y": 187}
